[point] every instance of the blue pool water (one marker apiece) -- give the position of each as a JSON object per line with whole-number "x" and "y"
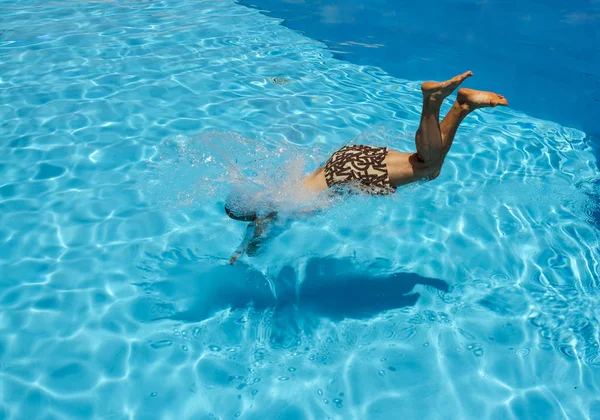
{"x": 474, "y": 296}
{"x": 542, "y": 54}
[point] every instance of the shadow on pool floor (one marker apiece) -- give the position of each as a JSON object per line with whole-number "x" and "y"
{"x": 336, "y": 289}
{"x": 326, "y": 287}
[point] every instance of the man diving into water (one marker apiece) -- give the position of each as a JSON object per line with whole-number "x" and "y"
{"x": 378, "y": 170}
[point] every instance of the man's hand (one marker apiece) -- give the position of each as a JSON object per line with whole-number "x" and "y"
{"x": 256, "y": 234}
{"x": 234, "y": 257}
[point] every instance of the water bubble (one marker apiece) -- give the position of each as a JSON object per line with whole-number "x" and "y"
{"x": 214, "y": 348}
{"x": 430, "y": 315}
{"x": 184, "y": 348}
{"x": 292, "y": 369}
{"x": 161, "y": 344}
{"x": 537, "y": 321}
{"x": 522, "y": 353}
{"x": 392, "y": 368}
{"x": 350, "y": 339}
{"x": 444, "y": 317}
{"x": 195, "y": 332}
{"x": 283, "y": 378}
{"x": 319, "y": 393}
{"x": 465, "y": 334}
{"x": 381, "y": 373}
{"x": 579, "y": 325}
{"x": 476, "y": 349}
{"x": 594, "y": 360}
{"x": 567, "y": 350}
{"x": 500, "y": 277}
{"x": 404, "y": 334}
{"x": 153, "y": 394}
{"x": 545, "y": 333}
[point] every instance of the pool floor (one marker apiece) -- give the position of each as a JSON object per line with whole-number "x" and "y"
{"x": 473, "y": 296}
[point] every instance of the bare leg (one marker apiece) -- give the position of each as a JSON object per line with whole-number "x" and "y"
{"x": 429, "y": 139}
{"x": 466, "y": 102}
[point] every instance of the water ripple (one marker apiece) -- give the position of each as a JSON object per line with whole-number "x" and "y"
{"x": 122, "y": 122}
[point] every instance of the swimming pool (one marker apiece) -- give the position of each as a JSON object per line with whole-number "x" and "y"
{"x": 540, "y": 54}
{"x": 472, "y": 296}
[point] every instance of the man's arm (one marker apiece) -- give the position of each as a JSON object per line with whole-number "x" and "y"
{"x": 241, "y": 249}
{"x": 256, "y": 234}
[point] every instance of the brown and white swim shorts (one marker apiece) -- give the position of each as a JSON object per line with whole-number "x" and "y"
{"x": 363, "y": 166}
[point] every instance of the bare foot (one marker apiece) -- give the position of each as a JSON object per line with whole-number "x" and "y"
{"x": 473, "y": 99}
{"x": 437, "y": 91}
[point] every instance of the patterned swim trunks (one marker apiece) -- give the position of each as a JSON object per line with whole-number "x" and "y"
{"x": 363, "y": 166}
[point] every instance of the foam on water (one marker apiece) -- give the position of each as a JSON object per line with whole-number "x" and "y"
{"x": 245, "y": 173}
{"x": 475, "y": 294}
